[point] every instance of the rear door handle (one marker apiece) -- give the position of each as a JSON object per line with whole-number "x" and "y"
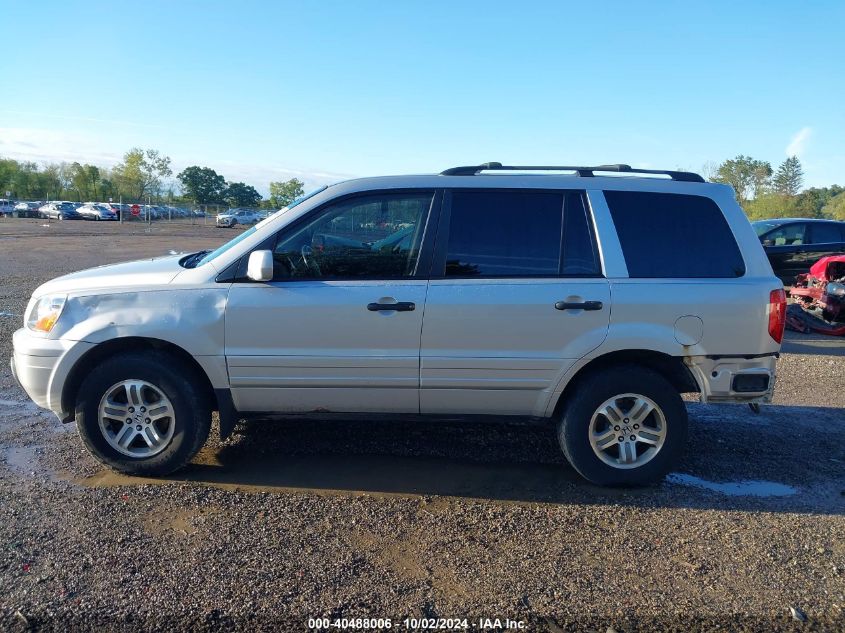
{"x": 585, "y": 305}
{"x": 401, "y": 306}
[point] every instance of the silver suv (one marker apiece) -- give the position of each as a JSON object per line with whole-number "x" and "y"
{"x": 570, "y": 295}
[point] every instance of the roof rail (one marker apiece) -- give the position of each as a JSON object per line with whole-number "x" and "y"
{"x": 584, "y": 172}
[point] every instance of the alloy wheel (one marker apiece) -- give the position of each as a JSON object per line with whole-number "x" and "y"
{"x": 627, "y": 430}
{"x": 136, "y": 418}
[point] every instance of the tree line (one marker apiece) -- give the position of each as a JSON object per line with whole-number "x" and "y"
{"x": 766, "y": 193}
{"x": 145, "y": 174}
{"x": 142, "y": 174}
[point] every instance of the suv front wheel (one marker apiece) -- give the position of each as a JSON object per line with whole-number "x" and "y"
{"x": 139, "y": 415}
{"x": 626, "y": 425}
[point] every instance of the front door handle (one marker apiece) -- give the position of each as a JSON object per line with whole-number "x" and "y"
{"x": 401, "y": 306}
{"x": 585, "y": 305}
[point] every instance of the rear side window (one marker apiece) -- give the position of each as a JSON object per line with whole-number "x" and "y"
{"x": 520, "y": 234}
{"x": 674, "y": 235}
{"x": 504, "y": 234}
{"x": 825, "y": 233}
{"x": 580, "y": 255}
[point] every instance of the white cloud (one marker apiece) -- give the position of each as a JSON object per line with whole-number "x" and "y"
{"x": 798, "y": 143}
{"x": 40, "y": 145}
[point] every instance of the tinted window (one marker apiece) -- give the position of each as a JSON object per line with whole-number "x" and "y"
{"x": 580, "y": 256}
{"x": 372, "y": 237}
{"x": 673, "y": 235}
{"x": 825, "y": 232}
{"x": 504, "y": 234}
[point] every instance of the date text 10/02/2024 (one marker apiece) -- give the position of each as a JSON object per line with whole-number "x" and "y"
{"x": 416, "y": 624}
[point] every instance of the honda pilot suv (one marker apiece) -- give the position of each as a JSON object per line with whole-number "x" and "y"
{"x": 589, "y": 298}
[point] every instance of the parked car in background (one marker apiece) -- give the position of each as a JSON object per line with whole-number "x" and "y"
{"x": 198, "y": 213}
{"x": 27, "y": 209}
{"x": 794, "y": 244}
{"x": 96, "y": 211}
{"x": 587, "y": 302}
{"x": 59, "y": 211}
{"x": 114, "y": 206}
{"x": 233, "y": 217}
{"x": 6, "y": 207}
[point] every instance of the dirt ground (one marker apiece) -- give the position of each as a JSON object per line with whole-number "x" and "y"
{"x": 298, "y": 519}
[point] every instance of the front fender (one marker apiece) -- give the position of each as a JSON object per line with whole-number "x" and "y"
{"x": 189, "y": 318}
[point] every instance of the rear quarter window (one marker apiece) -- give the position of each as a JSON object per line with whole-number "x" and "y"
{"x": 667, "y": 235}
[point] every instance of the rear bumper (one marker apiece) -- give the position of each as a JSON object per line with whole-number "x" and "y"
{"x": 734, "y": 379}
{"x": 41, "y": 366}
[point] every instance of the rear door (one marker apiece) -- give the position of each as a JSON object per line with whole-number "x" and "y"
{"x": 516, "y": 297}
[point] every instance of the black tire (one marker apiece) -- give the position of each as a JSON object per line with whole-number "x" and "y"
{"x": 192, "y": 411}
{"x": 590, "y": 393}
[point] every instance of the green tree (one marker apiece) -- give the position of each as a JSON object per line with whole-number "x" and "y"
{"x": 283, "y": 193}
{"x": 749, "y": 177}
{"x": 140, "y": 173}
{"x": 238, "y": 194}
{"x": 770, "y": 205}
{"x": 85, "y": 180}
{"x": 202, "y": 184}
{"x": 789, "y": 177}
{"x": 835, "y": 208}
{"x": 814, "y": 199}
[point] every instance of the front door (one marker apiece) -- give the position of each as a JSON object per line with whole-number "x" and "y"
{"x": 516, "y": 297}
{"x": 338, "y": 328}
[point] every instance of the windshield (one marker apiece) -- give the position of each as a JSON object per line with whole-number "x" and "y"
{"x": 764, "y": 226}
{"x": 189, "y": 263}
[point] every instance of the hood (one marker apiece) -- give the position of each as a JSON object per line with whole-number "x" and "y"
{"x": 136, "y": 274}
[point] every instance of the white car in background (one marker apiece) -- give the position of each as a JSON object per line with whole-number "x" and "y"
{"x": 95, "y": 211}
{"x": 233, "y": 217}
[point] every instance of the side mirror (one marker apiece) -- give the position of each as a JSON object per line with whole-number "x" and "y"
{"x": 260, "y": 266}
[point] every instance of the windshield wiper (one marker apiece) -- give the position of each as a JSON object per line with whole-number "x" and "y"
{"x": 192, "y": 260}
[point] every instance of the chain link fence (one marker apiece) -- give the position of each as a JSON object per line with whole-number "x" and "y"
{"x": 148, "y": 212}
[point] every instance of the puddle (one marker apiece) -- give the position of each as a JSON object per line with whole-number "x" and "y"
{"x": 22, "y": 458}
{"x": 748, "y": 488}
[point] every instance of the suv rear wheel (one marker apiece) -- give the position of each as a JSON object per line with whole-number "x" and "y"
{"x": 137, "y": 413}
{"x": 625, "y": 425}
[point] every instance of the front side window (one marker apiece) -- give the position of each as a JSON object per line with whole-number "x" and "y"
{"x": 667, "y": 235}
{"x": 789, "y": 235}
{"x": 366, "y": 237}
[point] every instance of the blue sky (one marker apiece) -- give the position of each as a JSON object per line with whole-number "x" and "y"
{"x": 263, "y": 91}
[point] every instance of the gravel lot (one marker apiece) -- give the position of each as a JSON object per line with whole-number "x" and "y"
{"x": 297, "y": 519}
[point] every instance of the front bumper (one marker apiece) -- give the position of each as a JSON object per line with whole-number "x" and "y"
{"x": 41, "y": 366}
{"x": 734, "y": 379}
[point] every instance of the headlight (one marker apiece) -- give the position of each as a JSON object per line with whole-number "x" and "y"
{"x": 45, "y": 312}
{"x": 836, "y": 288}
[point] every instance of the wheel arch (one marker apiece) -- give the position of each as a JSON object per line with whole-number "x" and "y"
{"x": 672, "y": 368}
{"x": 120, "y": 345}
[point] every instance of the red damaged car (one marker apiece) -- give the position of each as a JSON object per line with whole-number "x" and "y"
{"x": 822, "y": 290}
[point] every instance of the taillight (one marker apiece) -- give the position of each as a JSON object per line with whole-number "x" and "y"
{"x": 777, "y": 314}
